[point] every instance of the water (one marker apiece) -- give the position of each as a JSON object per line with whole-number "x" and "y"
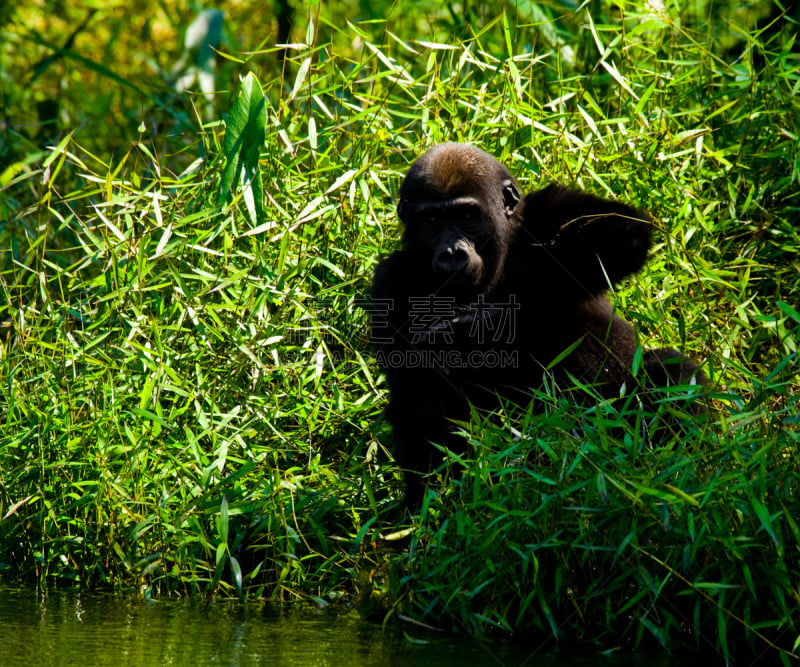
{"x": 69, "y": 627}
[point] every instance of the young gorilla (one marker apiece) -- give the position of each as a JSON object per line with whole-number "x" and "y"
{"x": 484, "y": 276}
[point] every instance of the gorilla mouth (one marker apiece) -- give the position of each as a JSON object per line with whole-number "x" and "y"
{"x": 463, "y": 284}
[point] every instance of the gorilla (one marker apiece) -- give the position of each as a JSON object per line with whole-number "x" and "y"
{"x": 491, "y": 291}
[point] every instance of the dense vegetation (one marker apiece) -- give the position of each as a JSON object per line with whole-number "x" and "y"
{"x": 187, "y": 398}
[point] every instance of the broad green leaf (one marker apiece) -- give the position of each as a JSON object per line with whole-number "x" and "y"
{"x": 245, "y": 128}
{"x": 791, "y": 312}
{"x": 223, "y": 520}
{"x": 236, "y": 571}
{"x": 764, "y": 517}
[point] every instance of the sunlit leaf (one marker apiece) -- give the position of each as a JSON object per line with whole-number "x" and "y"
{"x": 245, "y": 128}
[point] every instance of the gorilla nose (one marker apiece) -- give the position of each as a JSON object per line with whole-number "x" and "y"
{"x": 450, "y": 260}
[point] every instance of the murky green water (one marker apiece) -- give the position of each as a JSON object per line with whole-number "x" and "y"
{"x": 67, "y": 627}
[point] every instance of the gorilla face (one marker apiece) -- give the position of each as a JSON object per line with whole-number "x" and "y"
{"x": 457, "y": 204}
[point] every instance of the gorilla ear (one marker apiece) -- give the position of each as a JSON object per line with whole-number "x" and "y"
{"x": 511, "y": 196}
{"x": 401, "y": 208}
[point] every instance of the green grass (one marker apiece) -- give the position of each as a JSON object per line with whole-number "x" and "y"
{"x": 187, "y": 397}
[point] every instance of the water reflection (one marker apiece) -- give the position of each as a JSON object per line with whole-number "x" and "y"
{"x": 64, "y": 627}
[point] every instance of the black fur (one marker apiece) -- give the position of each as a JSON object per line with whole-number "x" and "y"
{"x": 477, "y": 257}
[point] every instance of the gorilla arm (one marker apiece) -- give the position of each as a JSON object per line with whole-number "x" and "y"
{"x": 584, "y": 241}
{"x": 422, "y": 399}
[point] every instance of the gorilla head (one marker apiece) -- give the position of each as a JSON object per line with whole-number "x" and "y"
{"x": 457, "y": 204}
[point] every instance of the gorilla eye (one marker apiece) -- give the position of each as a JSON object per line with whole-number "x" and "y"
{"x": 430, "y": 222}
{"x": 470, "y": 224}
{"x": 429, "y": 225}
